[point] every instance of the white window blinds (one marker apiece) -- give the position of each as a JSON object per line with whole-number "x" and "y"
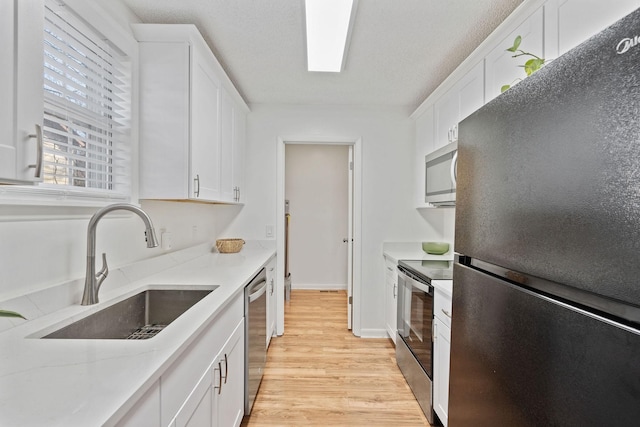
{"x": 87, "y": 96}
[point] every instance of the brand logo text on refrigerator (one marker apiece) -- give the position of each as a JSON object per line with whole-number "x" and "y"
{"x": 626, "y": 44}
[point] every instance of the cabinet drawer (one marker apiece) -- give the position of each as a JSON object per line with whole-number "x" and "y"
{"x": 442, "y": 306}
{"x": 177, "y": 382}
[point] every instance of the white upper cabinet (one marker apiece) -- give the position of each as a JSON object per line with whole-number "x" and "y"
{"x": 190, "y": 118}
{"x": 471, "y": 91}
{"x": 466, "y": 96}
{"x": 205, "y": 129}
{"x": 239, "y": 141}
{"x": 570, "y": 22}
{"x": 501, "y": 68}
{"x": 21, "y": 90}
{"x": 227, "y": 129}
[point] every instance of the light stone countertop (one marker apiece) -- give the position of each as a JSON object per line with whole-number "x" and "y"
{"x": 397, "y": 251}
{"x": 61, "y": 382}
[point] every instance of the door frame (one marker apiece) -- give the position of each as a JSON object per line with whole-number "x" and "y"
{"x": 356, "y": 143}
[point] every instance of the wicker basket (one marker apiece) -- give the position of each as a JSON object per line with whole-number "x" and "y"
{"x": 229, "y": 246}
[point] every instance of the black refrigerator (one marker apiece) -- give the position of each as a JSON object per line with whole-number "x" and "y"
{"x": 546, "y": 295}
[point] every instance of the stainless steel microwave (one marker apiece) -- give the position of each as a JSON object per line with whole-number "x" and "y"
{"x": 440, "y": 175}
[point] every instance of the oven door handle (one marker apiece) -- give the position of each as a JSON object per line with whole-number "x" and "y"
{"x": 424, "y": 287}
{"x": 420, "y": 286}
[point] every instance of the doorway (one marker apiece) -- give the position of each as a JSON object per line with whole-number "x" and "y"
{"x": 332, "y": 255}
{"x": 316, "y": 190}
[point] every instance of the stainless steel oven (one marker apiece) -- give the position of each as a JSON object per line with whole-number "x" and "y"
{"x": 414, "y": 343}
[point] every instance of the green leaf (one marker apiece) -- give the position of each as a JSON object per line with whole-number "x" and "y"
{"x": 533, "y": 65}
{"x": 504, "y": 88}
{"x": 7, "y": 313}
{"x": 516, "y": 44}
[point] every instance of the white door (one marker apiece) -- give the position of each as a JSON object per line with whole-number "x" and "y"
{"x": 350, "y": 243}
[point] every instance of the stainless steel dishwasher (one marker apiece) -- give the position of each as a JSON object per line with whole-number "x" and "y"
{"x": 255, "y": 313}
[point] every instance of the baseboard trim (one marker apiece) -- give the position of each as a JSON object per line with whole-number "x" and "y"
{"x": 373, "y": 333}
{"x": 319, "y": 287}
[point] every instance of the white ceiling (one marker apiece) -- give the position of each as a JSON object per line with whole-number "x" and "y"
{"x": 400, "y": 50}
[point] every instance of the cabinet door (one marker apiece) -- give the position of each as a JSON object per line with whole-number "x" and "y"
{"x": 164, "y": 120}
{"x": 146, "y": 410}
{"x": 227, "y": 130}
{"x": 570, "y": 22}
{"x": 391, "y": 301}
{"x": 501, "y": 68}
{"x": 442, "y": 350}
{"x": 198, "y": 410}
{"x": 471, "y": 91}
{"x": 446, "y": 111}
{"x": 271, "y": 300}
{"x": 240, "y": 123}
{"x": 21, "y": 88}
{"x": 205, "y": 136}
{"x": 230, "y": 397}
{"x": 7, "y": 142}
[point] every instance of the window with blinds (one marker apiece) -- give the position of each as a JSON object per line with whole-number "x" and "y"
{"x": 86, "y": 107}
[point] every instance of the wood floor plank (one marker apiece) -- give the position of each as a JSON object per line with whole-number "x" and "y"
{"x": 319, "y": 374}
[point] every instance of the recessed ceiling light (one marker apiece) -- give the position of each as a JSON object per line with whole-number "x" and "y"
{"x": 328, "y": 27}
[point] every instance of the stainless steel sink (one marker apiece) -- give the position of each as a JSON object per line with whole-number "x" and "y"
{"x": 140, "y": 316}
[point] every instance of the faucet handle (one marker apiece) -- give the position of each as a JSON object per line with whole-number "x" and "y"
{"x": 103, "y": 273}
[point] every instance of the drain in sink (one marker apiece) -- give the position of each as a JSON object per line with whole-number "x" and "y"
{"x": 146, "y": 332}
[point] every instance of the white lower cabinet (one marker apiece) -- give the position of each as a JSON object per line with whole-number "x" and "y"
{"x": 218, "y": 397}
{"x": 441, "y": 354}
{"x": 391, "y": 294}
{"x": 229, "y": 396}
{"x": 271, "y": 300}
{"x": 146, "y": 411}
{"x": 442, "y": 351}
{"x": 206, "y": 383}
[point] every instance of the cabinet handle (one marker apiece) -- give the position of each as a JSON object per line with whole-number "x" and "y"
{"x": 238, "y": 190}
{"x": 219, "y": 386}
{"x": 446, "y": 313}
{"x": 394, "y": 290}
{"x": 435, "y": 330}
{"x": 39, "y": 147}
{"x": 196, "y": 183}
{"x": 226, "y": 368}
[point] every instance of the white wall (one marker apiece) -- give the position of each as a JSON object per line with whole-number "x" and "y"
{"x": 316, "y": 185}
{"x": 387, "y": 203}
{"x": 42, "y": 247}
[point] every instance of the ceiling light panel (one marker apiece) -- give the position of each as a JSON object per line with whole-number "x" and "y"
{"x": 328, "y": 23}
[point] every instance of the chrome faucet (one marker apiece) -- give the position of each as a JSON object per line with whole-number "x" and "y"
{"x": 93, "y": 280}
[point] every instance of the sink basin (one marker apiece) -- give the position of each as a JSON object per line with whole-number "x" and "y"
{"x": 140, "y": 316}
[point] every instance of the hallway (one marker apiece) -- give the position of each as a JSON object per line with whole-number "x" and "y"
{"x": 319, "y": 374}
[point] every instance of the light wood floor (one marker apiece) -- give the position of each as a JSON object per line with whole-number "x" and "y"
{"x": 319, "y": 374}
